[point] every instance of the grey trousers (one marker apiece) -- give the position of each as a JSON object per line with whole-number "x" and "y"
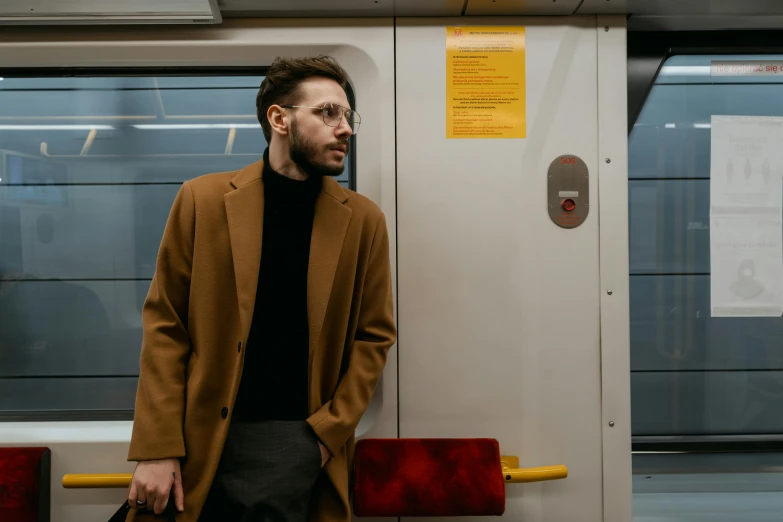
{"x": 266, "y": 473}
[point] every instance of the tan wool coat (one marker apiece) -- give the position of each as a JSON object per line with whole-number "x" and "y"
{"x": 197, "y": 320}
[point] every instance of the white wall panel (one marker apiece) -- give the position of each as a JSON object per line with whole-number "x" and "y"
{"x": 499, "y": 307}
{"x": 500, "y": 323}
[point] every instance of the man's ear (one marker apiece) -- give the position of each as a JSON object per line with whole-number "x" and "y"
{"x": 278, "y": 120}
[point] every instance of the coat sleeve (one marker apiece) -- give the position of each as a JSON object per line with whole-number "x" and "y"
{"x": 160, "y": 395}
{"x": 337, "y": 420}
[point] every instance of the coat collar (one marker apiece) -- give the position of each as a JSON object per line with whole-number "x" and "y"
{"x": 254, "y": 172}
{"x": 245, "y": 213}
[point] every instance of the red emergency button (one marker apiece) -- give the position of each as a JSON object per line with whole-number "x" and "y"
{"x": 569, "y": 205}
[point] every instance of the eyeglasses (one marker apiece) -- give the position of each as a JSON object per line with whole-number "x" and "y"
{"x": 333, "y": 115}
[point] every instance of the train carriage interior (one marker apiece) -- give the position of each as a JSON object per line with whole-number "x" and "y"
{"x": 639, "y": 343}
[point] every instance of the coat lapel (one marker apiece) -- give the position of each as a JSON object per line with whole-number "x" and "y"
{"x": 245, "y": 211}
{"x": 329, "y": 227}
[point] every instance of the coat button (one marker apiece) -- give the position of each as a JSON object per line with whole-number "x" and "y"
{"x": 224, "y": 412}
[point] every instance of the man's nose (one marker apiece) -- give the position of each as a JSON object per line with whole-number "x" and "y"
{"x": 343, "y": 130}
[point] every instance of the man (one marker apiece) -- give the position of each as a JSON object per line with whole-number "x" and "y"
{"x": 267, "y": 323}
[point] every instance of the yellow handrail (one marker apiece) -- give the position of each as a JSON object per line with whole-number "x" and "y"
{"x": 512, "y": 473}
{"x": 517, "y": 476}
{"x": 97, "y": 480}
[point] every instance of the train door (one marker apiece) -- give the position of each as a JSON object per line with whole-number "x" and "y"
{"x": 513, "y": 323}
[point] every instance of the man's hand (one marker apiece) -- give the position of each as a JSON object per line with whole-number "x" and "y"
{"x": 325, "y": 455}
{"x": 152, "y": 482}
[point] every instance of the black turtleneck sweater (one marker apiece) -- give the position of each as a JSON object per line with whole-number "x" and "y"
{"x": 274, "y": 383}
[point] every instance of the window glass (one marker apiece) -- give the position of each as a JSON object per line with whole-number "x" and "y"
{"x": 707, "y": 392}
{"x": 89, "y": 168}
{"x": 693, "y": 374}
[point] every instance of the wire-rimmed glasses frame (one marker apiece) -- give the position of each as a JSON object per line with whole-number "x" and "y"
{"x": 332, "y": 117}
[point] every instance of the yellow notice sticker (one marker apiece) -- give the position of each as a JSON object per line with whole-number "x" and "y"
{"x": 485, "y": 82}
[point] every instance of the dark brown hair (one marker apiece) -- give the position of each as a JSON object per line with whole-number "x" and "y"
{"x": 281, "y": 85}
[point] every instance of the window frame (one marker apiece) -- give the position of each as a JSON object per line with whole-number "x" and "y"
{"x": 648, "y": 51}
{"x": 86, "y": 72}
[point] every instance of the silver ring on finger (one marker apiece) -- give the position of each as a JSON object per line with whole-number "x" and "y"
{"x": 141, "y": 504}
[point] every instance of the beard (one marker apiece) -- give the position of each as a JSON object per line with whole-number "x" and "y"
{"x": 305, "y": 154}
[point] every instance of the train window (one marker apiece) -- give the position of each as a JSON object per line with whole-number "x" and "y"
{"x": 694, "y": 377}
{"x": 90, "y": 163}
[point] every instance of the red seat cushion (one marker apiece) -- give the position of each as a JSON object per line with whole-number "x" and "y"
{"x": 428, "y": 477}
{"x": 24, "y": 484}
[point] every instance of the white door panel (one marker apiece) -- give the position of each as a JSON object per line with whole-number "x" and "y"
{"x": 499, "y": 307}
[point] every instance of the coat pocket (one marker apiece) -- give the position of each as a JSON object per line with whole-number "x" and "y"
{"x": 314, "y": 443}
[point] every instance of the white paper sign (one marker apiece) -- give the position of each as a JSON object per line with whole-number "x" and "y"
{"x": 746, "y": 234}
